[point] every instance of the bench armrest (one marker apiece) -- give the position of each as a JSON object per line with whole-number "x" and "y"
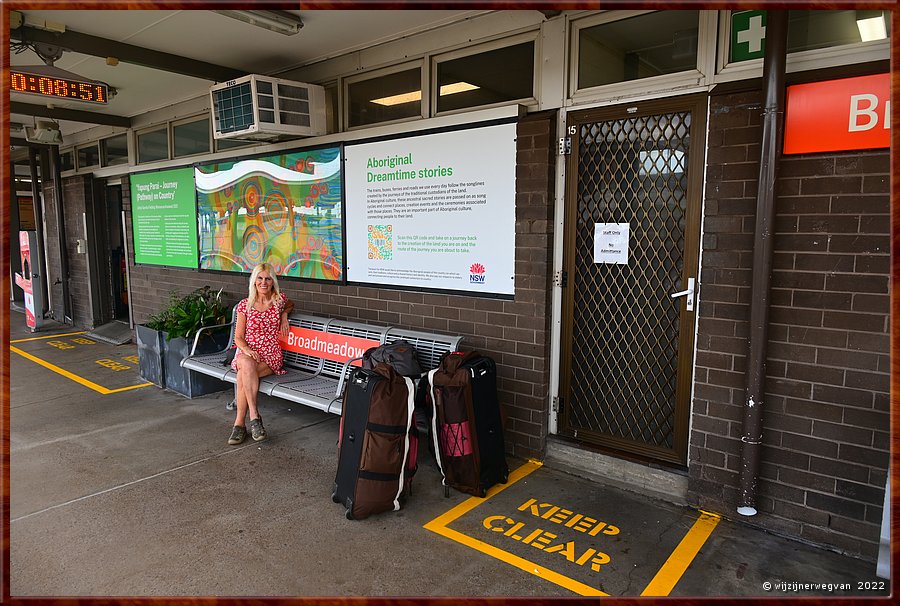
{"x": 197, "y": 336}
{"x": 340, "y": 386}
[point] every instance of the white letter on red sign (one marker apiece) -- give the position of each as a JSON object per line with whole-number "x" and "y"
{"x": 867, "y": 112}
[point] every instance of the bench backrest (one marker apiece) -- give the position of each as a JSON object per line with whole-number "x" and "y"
{"x": 429, "y": 346}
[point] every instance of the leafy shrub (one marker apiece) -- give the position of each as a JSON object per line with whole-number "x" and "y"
{"x": 186, "y": 314}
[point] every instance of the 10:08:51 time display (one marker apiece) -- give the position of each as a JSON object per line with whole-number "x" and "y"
{"x": 62, "y": 88}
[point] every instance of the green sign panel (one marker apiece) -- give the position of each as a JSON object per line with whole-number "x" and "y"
{"x": 748, "y": 35}
{"x": 164, "y": 218}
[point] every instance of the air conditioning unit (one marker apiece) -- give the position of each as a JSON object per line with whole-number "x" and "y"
{"x": 267, "y": 109}
{"x": 44, "y": 132}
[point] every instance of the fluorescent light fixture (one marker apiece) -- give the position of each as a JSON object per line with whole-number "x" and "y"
{"x": 872, "y": 28}
{"x": 416, "y": 95}
{"x": 281, "y": 22}
{"x": 457, "y": 87}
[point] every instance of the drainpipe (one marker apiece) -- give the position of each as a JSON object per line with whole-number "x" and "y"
{"x": 61, "y": 228}
{"x": 769, "y": 154}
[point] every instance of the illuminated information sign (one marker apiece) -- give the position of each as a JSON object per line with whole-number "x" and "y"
{"x": 61, "y": 88}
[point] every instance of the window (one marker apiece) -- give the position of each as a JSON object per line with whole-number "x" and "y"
{"x": 189, "y": 138}
{"x": 494, "y": 76}
{"x": 385, "y": 97}
{"x": 643, "y": 46}
{"x": 66, "y": 160}
{"x": 807, "y": 30}
{"x": 88, "y": 156}
{"x": 223, "y": 144}
{"x": 114, "y": 150}
{"x": 153, "y": 145}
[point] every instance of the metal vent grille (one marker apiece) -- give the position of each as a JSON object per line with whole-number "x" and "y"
{"x": 625, "y": 325}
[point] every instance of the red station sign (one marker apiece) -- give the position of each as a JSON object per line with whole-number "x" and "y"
{"x": 837, "y": 115}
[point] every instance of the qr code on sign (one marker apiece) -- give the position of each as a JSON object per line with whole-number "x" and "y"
{"x": 381, "y": 242}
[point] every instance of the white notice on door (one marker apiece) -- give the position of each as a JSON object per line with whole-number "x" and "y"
{"x": 611, "y": 243}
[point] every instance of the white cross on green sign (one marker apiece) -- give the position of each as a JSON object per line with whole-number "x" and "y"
{"x": 748, "y": 35}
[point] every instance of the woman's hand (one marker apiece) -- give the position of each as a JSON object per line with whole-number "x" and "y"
{"x": 250, "y": 352}
{"x": 284, "y": 327}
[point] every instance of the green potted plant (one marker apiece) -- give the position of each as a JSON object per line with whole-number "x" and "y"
{"x": 176, "y": 326}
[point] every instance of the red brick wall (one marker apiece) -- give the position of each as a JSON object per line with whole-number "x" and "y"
{"x": 515, "y": 333}
{"x": 826, "y": 409}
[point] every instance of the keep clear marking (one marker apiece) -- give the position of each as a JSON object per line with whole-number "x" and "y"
{"x": 574, "y": 540}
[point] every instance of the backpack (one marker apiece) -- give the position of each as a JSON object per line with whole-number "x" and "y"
{"x": 400, "y": 355}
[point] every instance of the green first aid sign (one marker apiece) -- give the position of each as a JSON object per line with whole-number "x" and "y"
{"x": 164, "y": 218}
{"x": 748, "y": 35}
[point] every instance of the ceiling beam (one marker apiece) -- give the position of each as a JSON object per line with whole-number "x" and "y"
{"x": 128, "y": 53}
{"x": 75, "y": 115}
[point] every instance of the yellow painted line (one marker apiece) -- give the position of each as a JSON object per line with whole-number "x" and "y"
{"x": 670, "y": 573}
{"x": 439, "y": 526}
{"x": 74, "y": 377}
{"x": 68, "y": 334}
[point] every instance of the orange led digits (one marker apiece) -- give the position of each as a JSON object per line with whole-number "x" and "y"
{"x": 63, "y": 88}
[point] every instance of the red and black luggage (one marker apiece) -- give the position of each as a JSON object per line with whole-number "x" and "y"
{"x": 467, "y": 427}
{"x": 378, "y": 443}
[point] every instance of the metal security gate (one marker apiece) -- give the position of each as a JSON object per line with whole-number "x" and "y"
{"x": 634, "y": 176}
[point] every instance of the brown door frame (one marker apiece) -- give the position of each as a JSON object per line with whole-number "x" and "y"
{"x": 697, "y": 104}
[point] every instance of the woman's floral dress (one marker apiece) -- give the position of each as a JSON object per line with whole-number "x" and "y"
{"x": 262, "y": 333}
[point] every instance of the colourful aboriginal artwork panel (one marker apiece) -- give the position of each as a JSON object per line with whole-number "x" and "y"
{"x": 284, "y": 209}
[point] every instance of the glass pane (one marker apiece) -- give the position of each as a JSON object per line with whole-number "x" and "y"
{"x": 648, "y": 45}
{"x": 67, "y": 160}
{"x": 233, "y": 143}
{"x": 808, "y": 30}
{"x": 88, "y": 156}
{"x": 153, "y": 146}
{"x": 191, "y": 137}
{"x": 385, "y": 98}
{"x": 505, "y": 74}
{"x": 115, "y": 150}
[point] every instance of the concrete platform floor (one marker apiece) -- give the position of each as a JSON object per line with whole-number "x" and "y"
{"x": 136, "y": 493}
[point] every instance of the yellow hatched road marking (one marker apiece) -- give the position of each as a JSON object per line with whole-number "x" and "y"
{"x": 670, "y": 573}
{"x": 74, "y": 377}
{"x": 439, "y": 526}
{"x": 68, "y": 334}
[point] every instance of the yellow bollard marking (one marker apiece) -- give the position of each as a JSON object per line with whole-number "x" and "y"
{"x": 439, "y": 526}
{"x": 68, "y": 334}
{"x": 670, "y": 573}
{"x": 74, "y": 377}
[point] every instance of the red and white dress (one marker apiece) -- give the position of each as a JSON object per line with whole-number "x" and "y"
{"x": 261, "y": 333}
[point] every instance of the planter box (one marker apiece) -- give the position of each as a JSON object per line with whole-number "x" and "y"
{"x": 187, "y": 382}
{"x": 151, "y": 355}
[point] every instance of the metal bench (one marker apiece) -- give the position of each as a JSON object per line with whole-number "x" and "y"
{"x": 314, "y": 380}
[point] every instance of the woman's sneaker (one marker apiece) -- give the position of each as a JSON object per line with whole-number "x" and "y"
{"x": 238, "y": 433}
{"x": 257, "y": 431}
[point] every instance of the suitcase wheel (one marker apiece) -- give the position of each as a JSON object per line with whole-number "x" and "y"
{"x": 446, "y": 492}
{"x": 483, "y": 493}
{"x": 334, "y": 494}
{"x": 505, "y": 477}
{"x": 349, "y": 504}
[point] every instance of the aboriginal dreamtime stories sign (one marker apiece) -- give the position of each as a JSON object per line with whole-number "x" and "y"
{"x": 164, "y": 218}
{"x": 435, "y": 211}
{"x": 282, "y": 208}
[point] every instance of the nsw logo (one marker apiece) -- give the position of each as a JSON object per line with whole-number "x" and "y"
{"x": 476, "y": 273}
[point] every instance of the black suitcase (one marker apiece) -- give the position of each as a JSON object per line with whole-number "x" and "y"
{"x": 378, "y": 444}
{"x": 467, "y": 427}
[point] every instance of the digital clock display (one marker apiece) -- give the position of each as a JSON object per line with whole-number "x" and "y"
{"x": 61, "y": 88}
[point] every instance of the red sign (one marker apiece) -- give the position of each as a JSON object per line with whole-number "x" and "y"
{"x": 23, "y": 280}
{"x": 330, "y": 346}
{"x": 852, "y": 113}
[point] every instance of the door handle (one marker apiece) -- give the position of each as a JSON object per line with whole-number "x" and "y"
{"x": 690, "y": 295}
